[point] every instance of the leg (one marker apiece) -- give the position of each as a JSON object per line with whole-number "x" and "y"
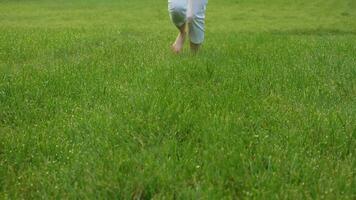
{"x": 177, "y": 46}
{"x": 177, "y": 10}
{"x": 196, "y": 22}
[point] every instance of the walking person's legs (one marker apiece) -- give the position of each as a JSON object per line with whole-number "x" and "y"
{"x": 189, "y": 13}
{"x": 196, "y": 23}
{"x": 178, "y": 12}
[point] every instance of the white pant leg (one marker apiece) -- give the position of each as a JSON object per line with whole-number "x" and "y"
{"x": 178, "y": 11}
{"x": 196, "y": 19}
{"x": 191, "y": 11}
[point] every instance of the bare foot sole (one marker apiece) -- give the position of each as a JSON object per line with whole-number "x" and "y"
{"x": 177, "y": 46}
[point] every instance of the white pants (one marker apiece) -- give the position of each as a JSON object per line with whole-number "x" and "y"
{"x": 191, "y": 12}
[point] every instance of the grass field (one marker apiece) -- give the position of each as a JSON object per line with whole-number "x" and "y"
{"x": 94, "y": 105}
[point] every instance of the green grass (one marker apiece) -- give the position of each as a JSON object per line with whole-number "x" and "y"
{"x": 94, "y": 105}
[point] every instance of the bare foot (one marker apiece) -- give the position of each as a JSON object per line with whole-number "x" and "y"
{"x": 194, "y": 47}
{"x": 177, "y": 46}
